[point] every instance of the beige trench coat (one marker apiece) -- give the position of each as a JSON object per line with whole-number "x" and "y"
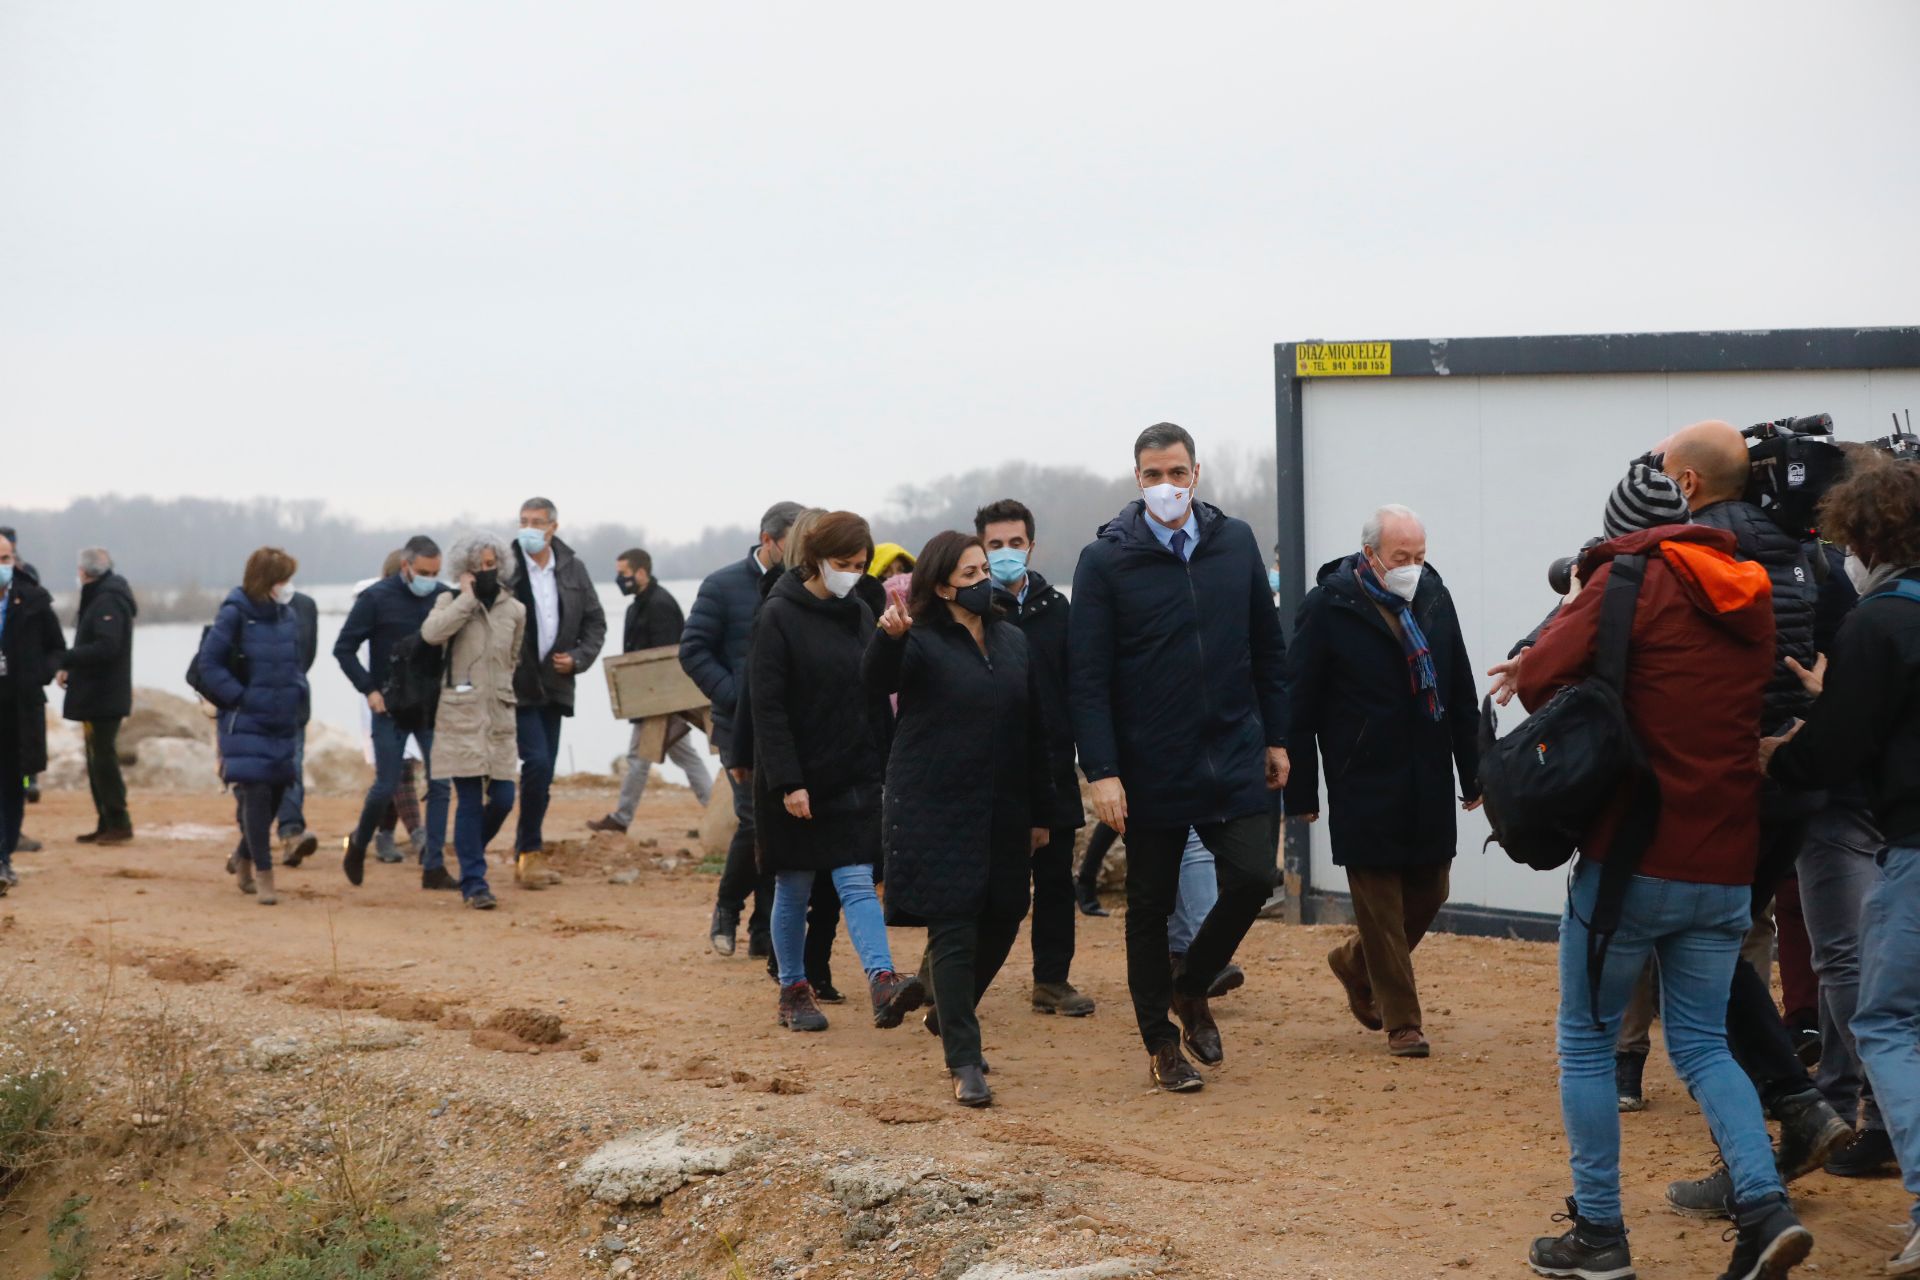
{"x": 474, "y": 735}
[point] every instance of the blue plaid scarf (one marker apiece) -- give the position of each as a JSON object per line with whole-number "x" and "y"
{"x": 1426, "y": 683}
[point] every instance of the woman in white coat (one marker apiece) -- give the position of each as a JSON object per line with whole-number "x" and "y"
{"x": 474, "y": 739}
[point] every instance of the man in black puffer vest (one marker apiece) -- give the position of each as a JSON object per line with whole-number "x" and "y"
{"x": 1708, "y": 460}
{"x": 97, "y": 674}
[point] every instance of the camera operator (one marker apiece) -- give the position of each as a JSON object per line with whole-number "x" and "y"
{"x": 1866, "y": 722}
{"x": 1709, "y": 461}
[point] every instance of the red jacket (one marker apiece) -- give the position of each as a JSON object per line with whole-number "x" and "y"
{"x": 1701, "y": 656}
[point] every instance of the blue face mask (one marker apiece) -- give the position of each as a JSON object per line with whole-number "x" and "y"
{"x": 532, "y": 541}
{"x": 421, "y": 585}
{"x": 1007, "y": 565}
{"x": 6, "y": 576}
{"x": 1273, "y": 581}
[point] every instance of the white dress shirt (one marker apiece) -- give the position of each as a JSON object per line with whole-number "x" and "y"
{"x": 546, "y": 601}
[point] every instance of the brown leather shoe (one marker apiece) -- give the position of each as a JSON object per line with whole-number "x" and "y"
{"x": 1359, "y": 998}
{"x": 1407, "y": 1042}
{"x": 1200, "y": 1035}
{"x": 1171, "y": 1071}
{"x": 609, "y": 824}
{"x": 113, "y": 835}
{"x": 894, "y": 997}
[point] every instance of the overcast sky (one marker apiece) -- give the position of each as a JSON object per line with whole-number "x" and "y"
{"x": 666, "y": 263}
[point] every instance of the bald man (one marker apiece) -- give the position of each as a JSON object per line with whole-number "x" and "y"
{"x": 1708, "y": 460}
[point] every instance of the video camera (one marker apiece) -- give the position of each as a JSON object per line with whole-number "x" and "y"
{"x": 1903, "y": 446}
{"x": 1793, "y": 462}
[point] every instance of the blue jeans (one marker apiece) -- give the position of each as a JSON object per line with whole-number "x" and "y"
{"x": 1695, "y": 930}
{"x": 1199, "y": 890}
{"x": 1886, "y": 1023}
{"x": 293, "y": 813}
{"x": 389, "y": 754}
{"x": 475, "y": 827}
{"x": 539, "y": 733}
{"x": 866, "y": 924}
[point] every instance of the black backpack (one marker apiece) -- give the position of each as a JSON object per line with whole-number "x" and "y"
{"x": 236, "y": 663}
{"x": 1547, "y": 781}
{"x": 412, "y": 689}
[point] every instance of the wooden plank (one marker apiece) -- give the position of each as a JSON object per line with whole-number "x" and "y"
{"x": 649, "y": 682}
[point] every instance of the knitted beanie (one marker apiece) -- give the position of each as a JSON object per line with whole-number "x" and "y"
{"x": 1646, "y": 499}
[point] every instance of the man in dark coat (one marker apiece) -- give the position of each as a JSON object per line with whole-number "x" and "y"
{"x": 384, "y": 615}
{"x": 296, "y": 845}
{"x": 565, "y": 628}
{"x": 1378, "y": 680}
{"x": 97, "y": 674}
{"x": 1041, "y": 611}
{"x": 1179, "y": 700}
{"x": 31, "y": 644}
{"x": 653, "y": 620}
{"x": 713, "y": 653}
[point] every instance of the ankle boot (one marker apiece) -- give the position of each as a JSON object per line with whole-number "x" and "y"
{"x": 265, "y": 878}
{"x": 243, "y": 868}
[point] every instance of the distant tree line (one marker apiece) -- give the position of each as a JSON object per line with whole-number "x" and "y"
{"x": 183, "y": 553}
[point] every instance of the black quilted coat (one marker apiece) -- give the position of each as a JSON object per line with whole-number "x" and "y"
{"x": 968, "y": 775}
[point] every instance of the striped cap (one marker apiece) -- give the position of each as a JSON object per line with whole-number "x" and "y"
{"x": 1646, "y": 499}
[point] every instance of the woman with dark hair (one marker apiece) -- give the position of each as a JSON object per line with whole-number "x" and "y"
{"x": 968, "y": 782}
{"x": 817, "y": 767}
{"x": 249, "y": 666}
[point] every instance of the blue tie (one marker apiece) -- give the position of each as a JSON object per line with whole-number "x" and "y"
{"x": 1180, "y": 543}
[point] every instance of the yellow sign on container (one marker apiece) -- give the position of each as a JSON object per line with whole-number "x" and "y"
{"x": 1343, "y": 359}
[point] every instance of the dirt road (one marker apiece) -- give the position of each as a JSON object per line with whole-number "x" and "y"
{"x": 1310, "y": 1154}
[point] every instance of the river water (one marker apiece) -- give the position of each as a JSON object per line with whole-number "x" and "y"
{"x": 590, "y": 740}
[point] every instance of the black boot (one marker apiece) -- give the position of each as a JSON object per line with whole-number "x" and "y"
{"x": 1769, "y": 1242}
{"x": 970, "y": 1087}
{"x": 1585, "y": 1252}
{"x": 1869, "y": 1155}
{"x": 1810, "y": 1132}
{"x": 1628, "y": 1071}
{"x": 1089, "y": 899}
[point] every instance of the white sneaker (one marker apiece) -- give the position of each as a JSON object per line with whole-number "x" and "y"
{"x": 1907, "y": 1261}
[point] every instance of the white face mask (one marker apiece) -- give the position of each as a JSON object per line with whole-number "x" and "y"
{"x": 1858, "y": 573}
{"x": 1403, "y": 582}
{"x": 283, "y": 594}
{"x": 1169, "y": 503}
{"x": 839, "y": 581}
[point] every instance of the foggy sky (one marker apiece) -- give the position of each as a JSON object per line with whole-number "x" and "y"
{"x": 668, "y": 263}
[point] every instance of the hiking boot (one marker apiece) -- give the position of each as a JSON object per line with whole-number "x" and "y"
{"x": 1810, "y": 1132}
{"x": 826, "y": 993}
{"x": 894, "y": 997}
{"x": 1199, "y": 1033}
{"x": 1231, "y": 978}
{"x": 1171, "y": 1072}
{"x": 1061, "y": 998}
{"x": 613, "y": 826}
{"x": 1708, "y": 1197}
{"x": 1907, "y": 1261}
{"x": 437, "y": 878}
{"x": 1088, "y": 900}
{"x": 530, "y": 871}
{"x": 243, "y": 867}
{"x": 1627, "y": 1071}
{"x": 9, "y": 878}
{"x": 1586, "y": 1251}
{"x": 723, "y": 929}
{"x": 483, "y": 901}
{"x": 264, "y": 878}
{"x": 798, "y": 1012}
{"x": 1769, "y": 1242}
{"x": 1360, "y": 1001}
{"x": 385, "y": 849}
{"x": 354, "y": 862}
{"x": 296, "y": 847}
{"x": 1869, "y": 1155}
{"x": 107, "y": 835}
{"x": 970, "y": 1087}
{"x": 1407, "y": 1042}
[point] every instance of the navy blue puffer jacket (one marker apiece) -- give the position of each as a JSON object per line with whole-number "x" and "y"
{"x": 259, "y": 720}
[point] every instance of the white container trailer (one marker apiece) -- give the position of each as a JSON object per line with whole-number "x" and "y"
{"x": 1508, "y": 448}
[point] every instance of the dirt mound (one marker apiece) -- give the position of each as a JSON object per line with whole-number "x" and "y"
{"x": 524, "y": 1031}
{"x": 132, "y": 873}
{"x": 186, "y": 966}
{"x": 331, "y": 992}
{"x": 411, "y": 1009}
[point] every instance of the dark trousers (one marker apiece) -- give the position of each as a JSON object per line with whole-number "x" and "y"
{"x": 1393, "y": 907}
{"x": 741, "y": 876}
{"x": 1755, "y": 1031}
{"x": 254, "y": 805}
{"x": 1097, "y": 846}
{"x": 539, "y": 734}
{"x": 389, "y": 762}
{"x": 13, "y": 787}
{"x": 963, "y": 956}
{"x": 1053, "y": 907}
{"x": 475, "y": 826}
{"x": 292, "y": 820}
{"x": 1245, "y": 866}
{"x": 1799, "y": 988}
{"x": 103, "y": 774}
{"x": 823, "y": 925}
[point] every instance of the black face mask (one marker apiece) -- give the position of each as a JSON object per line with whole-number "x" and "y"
{"x": 624, "y": 581}
{"x": 977, "y": 598}
{"x": 486, "y": 586}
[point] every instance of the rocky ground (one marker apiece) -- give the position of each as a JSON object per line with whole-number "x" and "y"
{"x": 575, "y": 1085}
